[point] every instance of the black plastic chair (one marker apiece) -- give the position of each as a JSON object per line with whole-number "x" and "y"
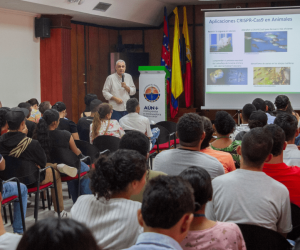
{"x": 89, "y": 150}
{"x": 260, "y": 238}
{"x": 104, "y": 142}
{"x": 171, "y": 127}
{"x": 295, "y": 233}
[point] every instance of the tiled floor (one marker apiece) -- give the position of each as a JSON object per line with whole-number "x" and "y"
{"x": 29, "y": 220}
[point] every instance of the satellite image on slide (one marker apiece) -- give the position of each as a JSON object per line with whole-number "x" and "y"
{"x": 271, "y": 76}
{"x": 227, "y": 76}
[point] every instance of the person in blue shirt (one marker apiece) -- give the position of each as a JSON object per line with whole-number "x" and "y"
{"x": 166, "y": 213}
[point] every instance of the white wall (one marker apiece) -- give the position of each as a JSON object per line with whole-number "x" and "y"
{"x": 19, "y": 58}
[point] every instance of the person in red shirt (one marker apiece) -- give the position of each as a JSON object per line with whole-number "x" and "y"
{"x": 277, "y": 169}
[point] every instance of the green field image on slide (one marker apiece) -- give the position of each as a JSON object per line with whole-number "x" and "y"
{"x": 271, "y": 76}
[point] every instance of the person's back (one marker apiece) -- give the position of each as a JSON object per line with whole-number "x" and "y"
{"x": 190, "y": 132}
{"x": 248, "y": 195}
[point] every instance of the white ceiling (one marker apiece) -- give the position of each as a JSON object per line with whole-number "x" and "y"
{"x": 122, "y": 13}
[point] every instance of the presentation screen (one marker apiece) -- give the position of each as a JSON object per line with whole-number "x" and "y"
{"x": 250, "y": 54}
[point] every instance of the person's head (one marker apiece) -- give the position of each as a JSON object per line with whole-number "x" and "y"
{"x": 278, "y": 137}
{"x": 256, "y": 148}
{"x": 104, "y": 113}
{"x": 167, "y": 207}
{"x": 289, "y": 109}
{"x": 132, "y": 105}
{"x": 208, "y": 129}
{"x": 87, "y": 100}
{"x": 259, "y": 104}
{"x": 289, "y": 124}
{"x": 3, "y": 122}
{"x": 16, "y": 118}
{"x": 120, "y": 67}
{"x": 44, "y": 106}
{"x": 190, "y": 130}
{"x": 281, "y": 102}
{"x": 61, "y": 108}
{"x": 200, "y": 181}
{"x": 34, "y": 103}
{"x": 55, "y": 233}
{"x": 137, "y": 141}
{"x": 121, "y": 173}
{"x": 257, "y": 119}
{"x": 25, "y": 105}
{"x": 95, "y": 105}
{"x": 224, "y": 123}
{"x": 271, "y": 107}
{"x": 247, "y": 111}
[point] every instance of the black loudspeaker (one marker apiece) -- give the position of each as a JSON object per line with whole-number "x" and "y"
{"x": 42, "y": 27}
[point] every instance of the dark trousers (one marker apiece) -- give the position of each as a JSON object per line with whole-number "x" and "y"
{"x": 117, "y": 115}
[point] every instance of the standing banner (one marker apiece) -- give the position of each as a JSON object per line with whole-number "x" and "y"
{"x": 152, "y": 92}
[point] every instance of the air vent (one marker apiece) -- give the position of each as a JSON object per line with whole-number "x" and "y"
{"x": 102, "y": 6}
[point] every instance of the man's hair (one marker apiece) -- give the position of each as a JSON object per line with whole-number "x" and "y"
{"x": 259, "y": 104}
{"x": 278, "y": 137}
{"x": 281, "y": 101}
{"x": 190, "y": 129}
{"x": 166, "y": 199}
{"x": 44, "y": 106}
{"x": 256, "y": 146}
{"x": 94, "y": 106}
{"x": 247, "y": 111}
{"x": 224, "y": 123}
{"x": 271, "y": 107}
{"x": 135, "y": 140}
{"x": 120, "y": 61}
{"x": 131, "y": 105}
{"x": 25, "y": 105}
{"x": 288, "y": 123}
{"x": 257, "y": 119}
{"x": 208, "y": 128}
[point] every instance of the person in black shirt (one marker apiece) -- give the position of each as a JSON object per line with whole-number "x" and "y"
{"x": 84, "y": 123}
{"x": 29, "y": 124}
{"x": 64, "y": 123}
{"x": 87, "y": 100}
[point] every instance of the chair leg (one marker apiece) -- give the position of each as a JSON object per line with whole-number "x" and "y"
{"x": 5, "y": 215}
{"x": 43, "y": 200}
{"x": 48, "y": 199}
{"x": 10, "y": 213}
{"x": 69, "y": 193}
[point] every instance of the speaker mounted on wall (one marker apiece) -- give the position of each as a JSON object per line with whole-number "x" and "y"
{"x": 42, "y": 27}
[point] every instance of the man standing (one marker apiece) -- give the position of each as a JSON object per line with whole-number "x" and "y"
{"x": 117, "y": 91}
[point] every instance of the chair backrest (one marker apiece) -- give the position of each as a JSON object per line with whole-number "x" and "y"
{"x": 64, "y": 155}
{"x": 104, "y": 142}
{"x": 170, "y": 126}
{"x": 260, "y": 238}
{"x": 164, "y": 135}
{"x": 88, "y": 150}
{"x": 26, "y": 171}
{"x": 295, "y": 233}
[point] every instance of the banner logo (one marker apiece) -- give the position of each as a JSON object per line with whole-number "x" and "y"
{"x": 151, "y": 93}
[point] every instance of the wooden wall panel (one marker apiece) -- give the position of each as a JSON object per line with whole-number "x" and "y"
{"x": 132, "y": 36}
{"x": 153, "y": 45}
{"x": 74, "y": 58}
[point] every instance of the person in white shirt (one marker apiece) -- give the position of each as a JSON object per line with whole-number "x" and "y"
{"x": 246, "y": 112}
{"x": 109, "y": 213}
{"x": 135, "y": 121}
{"x": 117, "y": 91}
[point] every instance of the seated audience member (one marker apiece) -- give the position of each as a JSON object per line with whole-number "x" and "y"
{"x": 103, "y": 125}
{"x": 166, "y": 213}
{"x": 3, "y": 122}
{"x": 270, "y": 107}
{"x": 35, "y": 113}
{"x": 248, "y": 195}
{"x": 109, "y": 213}
{"x": 134, "y": 121}
{"x": 288, "y": 175}
{"x": 191, "y": 133}
{"x": 223, "y": 157}
{"x": 203, "y": 230}
{"x": 44, "y": 106}
{"x": 31, "y": 150}
{"x": 246, "y": 112}
{"x": 84, "y": 123}
{"x": 87, "y": 100}
{"x": 281, "y": 103}
{"x": 29, "y": 124}
{"x": 53, "y": 233}
{"x": 50, "y": 137}
{"x": 257, "y": 119}
{"x": 224, "y": 126}
{"x": 138, "y": 141}
{"x": 9, "y": 241}
{"x": 261, "y": 105}
{"x": 64, "y": 122}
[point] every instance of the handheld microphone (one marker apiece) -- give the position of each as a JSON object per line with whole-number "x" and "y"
{"x": 123, "y": 76}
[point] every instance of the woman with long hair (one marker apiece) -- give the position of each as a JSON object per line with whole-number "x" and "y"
{"x": 49, "y": 137}
{"x": 103, "y": 125}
